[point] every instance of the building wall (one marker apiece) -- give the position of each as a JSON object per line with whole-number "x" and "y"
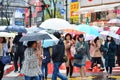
{"x": 96, "y": 2}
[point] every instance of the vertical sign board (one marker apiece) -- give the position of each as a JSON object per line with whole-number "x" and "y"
{"x": 39, "y": 17}
{"x": 74, "y": 8}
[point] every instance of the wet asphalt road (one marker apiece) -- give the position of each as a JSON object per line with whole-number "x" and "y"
{"x": 91, "y": 76}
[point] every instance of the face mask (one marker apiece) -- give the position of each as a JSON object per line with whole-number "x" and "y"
{"x": 109, "y": 38}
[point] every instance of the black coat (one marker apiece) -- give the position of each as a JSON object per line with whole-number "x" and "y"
{"x": 58, "y": 52}
{"x": 109, "y": 54}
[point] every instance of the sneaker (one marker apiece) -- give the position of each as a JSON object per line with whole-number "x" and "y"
{"x": 16, "y": 71}
{"x": 90, "y": 69}
{"x": 102, "y": 69}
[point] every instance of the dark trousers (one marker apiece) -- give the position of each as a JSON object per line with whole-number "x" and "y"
{"x": 109, "y": 70}
{"x": 97, "y": 60}
{"x": 17, "y": 57}
{"x": 1, "y": 70}
{"x": 69, "y": 69}
{"x": 44, "y": 70}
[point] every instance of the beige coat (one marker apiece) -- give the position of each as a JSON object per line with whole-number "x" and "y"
{"x": 95, "y": 49}
{"x": 67, "y": 50}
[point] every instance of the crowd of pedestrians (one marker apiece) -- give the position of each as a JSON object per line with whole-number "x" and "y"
{"x": 33, "y": 58}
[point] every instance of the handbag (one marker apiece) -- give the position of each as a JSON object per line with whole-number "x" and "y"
{"x": 65, "y": 58}
{"x": 78, "y": 56}
{"x": 6, "y": 59}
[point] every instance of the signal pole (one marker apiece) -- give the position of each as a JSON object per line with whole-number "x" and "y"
{"x": 66, "y": 4}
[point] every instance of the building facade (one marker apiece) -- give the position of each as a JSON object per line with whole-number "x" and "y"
{"x": 96, "y": 10}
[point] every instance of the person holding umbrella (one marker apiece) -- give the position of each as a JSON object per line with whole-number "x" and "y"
{"x": 82, "y": 52}
{"x": 3, "y": 51}
{"x": 109, "y": 50}
{"x": 32, "y": 61}
{"x": 19, "y": 53}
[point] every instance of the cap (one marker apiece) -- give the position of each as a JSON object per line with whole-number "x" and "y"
{"x": 81, "y": 36}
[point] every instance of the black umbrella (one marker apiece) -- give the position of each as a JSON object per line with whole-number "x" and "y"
{"x": 35, "y": 37}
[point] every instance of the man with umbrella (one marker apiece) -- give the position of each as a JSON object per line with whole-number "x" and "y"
{"x": 19, "y": 53}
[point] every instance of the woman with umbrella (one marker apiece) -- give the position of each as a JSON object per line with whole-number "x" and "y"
{"x": 68, "y": 43}
{"x": 3, "y": 51}
{"x": 33, "y": 60}
{"x": 82, "y": 52}
{"x": 109, "y": 50}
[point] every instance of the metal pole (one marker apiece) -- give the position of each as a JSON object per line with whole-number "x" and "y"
{"x": 43, "y": 10}
{"x": 66, "y": 4}
{"x": 30, "y": 16}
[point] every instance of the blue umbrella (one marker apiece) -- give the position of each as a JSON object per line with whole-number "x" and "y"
{"x": 16, "y": 29}
{"x": 87, "y": 29}
{"x": 49, "y": 42}
{"x": 34, "y": 29}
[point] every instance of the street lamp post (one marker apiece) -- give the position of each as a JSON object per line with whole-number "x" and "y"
{"x": 66, "y": 4}
{"x": 30, "y": 16}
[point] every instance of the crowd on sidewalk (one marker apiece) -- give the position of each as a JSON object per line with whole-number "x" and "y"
{"x": 71, "y": 50}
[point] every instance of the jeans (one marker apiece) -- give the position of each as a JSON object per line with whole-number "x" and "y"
{"x": 1, "y": 70}
{"x": 56, "y": 72}
{"x": 31, "y": 78}
{"x": 45, "y": 69}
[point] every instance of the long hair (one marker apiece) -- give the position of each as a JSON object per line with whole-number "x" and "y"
{"x": 95, "y": 40}
{"x": 4, "y": 40}
{"x": 30, "y": 43}
{"x": 68, "y": 34}
{"x": 112, "y": 40}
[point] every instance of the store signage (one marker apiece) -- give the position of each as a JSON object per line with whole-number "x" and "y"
{"x": 74, "y": 8}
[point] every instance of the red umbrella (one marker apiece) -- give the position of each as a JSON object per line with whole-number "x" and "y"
{"x": 118, "y": 32}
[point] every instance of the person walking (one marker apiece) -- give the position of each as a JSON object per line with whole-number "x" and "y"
{"x": 96, "y": 54}
{"x": 82, "y": 48}
{"x": 3, "y": 51}
{"x": 45, "y": 61}
{"x": 57, "y": 58}
{"x": 68, "y": 44}
{"x": 10, "y": 44}
{"x": 19, "y": 54}
{"x": 32, "y": 62}
{"x": 109, "y": 50}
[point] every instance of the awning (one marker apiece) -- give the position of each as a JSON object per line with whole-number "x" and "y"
{"x": 98, "y": 8}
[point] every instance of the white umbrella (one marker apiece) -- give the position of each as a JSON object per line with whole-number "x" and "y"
{"x": 89, "y": 37}
{"x": 114, "y": 21}
{"x": 98, "y": 28}
{"x": 56, "y": 24}
{"x": 3, "y": 28}
{"x": 6, "y": 34}
{"x": 114, "y": 29}
{"x": 109, "y": 33}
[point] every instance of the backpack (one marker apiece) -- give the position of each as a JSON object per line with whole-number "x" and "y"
{"x": 58, "y": 52}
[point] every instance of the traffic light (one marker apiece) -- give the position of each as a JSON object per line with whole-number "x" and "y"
{"x": 45, "y": 6}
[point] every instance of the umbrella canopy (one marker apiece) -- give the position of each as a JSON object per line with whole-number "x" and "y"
{"x": 109, "y": 33}
{"x": 118, "y": 32}
{"x": 49, "y": 42}
{"x": 114, "y": 29}
{"x": 98, "y": 28}
{"x": 72, "y": 31}
{"x": 6, "y": 34}
{"x": 114, "y": 21}
{"x": 3, "y": 28}
{"x": 89, "y": 37}
{"x": 34, "y": 29}
{"x": 35, "y": 37}
{"x": 55, "y": 24}
{"x": 87, "y": 29}
{"x": 16, "y": 29}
